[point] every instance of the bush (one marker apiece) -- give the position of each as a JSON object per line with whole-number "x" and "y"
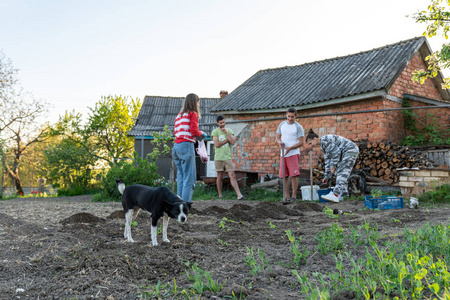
{"x": 441, "y": 194}
{"x": 77, "y": 190}
{"x": 139, "y": 171}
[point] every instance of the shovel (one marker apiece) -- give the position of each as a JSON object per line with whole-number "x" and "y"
{"x": 311, "y": 174}
{"x": 283, "y": 200}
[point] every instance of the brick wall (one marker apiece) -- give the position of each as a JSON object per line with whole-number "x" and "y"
{"x": 404, "y": 84}
{"x": 256, "y": 149}
{"x": 416, "y": 182}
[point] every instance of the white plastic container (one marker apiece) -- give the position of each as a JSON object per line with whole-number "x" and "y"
{"x": 413, "y": 202}
{"x": 306, "y": 192}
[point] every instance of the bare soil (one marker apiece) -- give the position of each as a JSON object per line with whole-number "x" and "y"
{"x": 71, "y": 248}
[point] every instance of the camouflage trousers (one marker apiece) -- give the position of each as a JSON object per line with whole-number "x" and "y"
{"x": 343, "y": 170}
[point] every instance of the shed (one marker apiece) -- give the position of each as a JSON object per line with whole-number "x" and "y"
{"x": 157, "y": 112}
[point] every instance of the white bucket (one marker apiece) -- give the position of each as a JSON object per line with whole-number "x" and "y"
{"x": 306, "y": 192}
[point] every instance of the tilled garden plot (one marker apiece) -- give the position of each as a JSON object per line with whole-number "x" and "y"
{"x": 70, "y": 248}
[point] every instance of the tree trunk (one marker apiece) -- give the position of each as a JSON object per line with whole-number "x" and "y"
{"x": 18, "y": 186}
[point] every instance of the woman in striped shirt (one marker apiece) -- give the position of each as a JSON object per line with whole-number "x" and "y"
{"x": 183, "y": 153}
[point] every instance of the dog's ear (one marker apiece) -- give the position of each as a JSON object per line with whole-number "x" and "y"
{"x": 189, "y": 205}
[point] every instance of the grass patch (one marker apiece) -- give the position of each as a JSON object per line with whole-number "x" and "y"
{"x": 204, "y": 192}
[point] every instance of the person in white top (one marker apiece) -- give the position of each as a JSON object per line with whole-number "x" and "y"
{"x": 290, "y": 136}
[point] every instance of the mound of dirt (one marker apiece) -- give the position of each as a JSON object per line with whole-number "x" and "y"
{"x": 308, "y": 206}
{"x": 82, "y": 218}
{"x": 212, "y": 210}
{"x": 118, "y": 214}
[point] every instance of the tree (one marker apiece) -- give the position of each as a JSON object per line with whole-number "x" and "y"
{"x": 109, "y": 124}
{"x": 70, "y": 156}
{"x": 437, "y": 18}
{"x": 102, "y": 140}
{"x": 7, "y": 77}
{"x": 21, "y": 128}
{"x": 68, "y": 164}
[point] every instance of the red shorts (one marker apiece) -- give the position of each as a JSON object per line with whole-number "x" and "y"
{"x": 291, "y": 166}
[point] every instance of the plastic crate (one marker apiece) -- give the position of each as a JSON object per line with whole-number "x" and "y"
{"x": 323, "y": 192}
{"x": 384, "y": 202}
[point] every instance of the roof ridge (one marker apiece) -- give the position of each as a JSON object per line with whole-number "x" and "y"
{"x": 174, "y": 97}
{"x": 345, "y": 56}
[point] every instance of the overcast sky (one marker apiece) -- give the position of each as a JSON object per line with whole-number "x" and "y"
{"x": 71, "y": 53}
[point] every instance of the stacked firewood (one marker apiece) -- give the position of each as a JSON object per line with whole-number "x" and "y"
{"x": 378, "y": 162}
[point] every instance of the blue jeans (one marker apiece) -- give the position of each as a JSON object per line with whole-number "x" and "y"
{"x": 184, "y": 157}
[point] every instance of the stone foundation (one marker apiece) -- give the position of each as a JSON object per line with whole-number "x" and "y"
{"x": 414, "y": 182}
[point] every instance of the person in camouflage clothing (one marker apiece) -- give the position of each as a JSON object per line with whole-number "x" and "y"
{"x": 340, "y": 156}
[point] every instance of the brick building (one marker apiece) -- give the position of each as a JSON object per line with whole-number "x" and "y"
{"x": 341, "y": 94}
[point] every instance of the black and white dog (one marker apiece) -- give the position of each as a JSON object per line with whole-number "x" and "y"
{"x": 159, "y": 201}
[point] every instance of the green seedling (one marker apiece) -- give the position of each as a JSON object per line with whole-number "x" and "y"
{"x": 300, "y": 255}
{"x": 256, "y": 262}
{"x": 331, "y": 240}
{"x": 376, "y": 193}
{"x": 222, "y": 242}
{"x": 330, "y": 213}
{"x": 222, "y": 223}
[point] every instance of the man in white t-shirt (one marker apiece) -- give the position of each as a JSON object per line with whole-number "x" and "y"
{"x": 290, "y": 135}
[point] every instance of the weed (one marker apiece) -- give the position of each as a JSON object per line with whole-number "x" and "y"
{"x": 202, "y": 280}
{"x": 440, "y": 194}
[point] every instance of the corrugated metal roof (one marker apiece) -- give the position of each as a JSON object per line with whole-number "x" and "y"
{"x": 156, "y": 112}
{"x": 322, "y": 80}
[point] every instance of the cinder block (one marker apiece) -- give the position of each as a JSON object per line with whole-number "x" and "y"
{"x": 416, "y": 178}
{"x": 422, "y": 173}
{"x": 403, "y": 178}
{"x": 406, "y": 173}
{"x": 406, "y": 184}
{"x": 440, "y": 173}
{"x": 428, "y": 179}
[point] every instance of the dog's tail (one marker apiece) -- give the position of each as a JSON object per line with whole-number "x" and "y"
{"x": 120, "y": 185}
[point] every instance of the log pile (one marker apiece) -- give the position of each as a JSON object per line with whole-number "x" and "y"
{"x": 378, "y": 162}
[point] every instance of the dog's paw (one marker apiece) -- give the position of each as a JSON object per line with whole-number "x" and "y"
{"x": 155, "y": 244}
{"x": 166, "y": 240}
{"x": 130, "y": 241}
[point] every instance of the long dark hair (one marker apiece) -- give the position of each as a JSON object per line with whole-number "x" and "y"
{"x": 191, "y": 103}
{"x": 311, "y": 135}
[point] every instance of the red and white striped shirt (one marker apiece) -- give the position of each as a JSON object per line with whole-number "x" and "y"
{"x": 186, "y": 127}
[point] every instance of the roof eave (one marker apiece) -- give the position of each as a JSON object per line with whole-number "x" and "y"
{"x": 373, "y": 94}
